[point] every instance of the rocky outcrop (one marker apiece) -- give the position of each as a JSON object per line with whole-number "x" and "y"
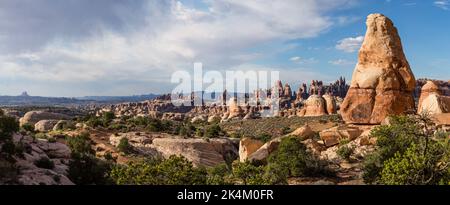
{"x": 136, "y": 139}
{"x": 235, "y": 111}
{"x": 200, "y": 152}
{"x": 432, "y": 101}
{"x": 313, "y": 106}
{"x": 330, "y": 104}
{"x": 335, "y": 135}
{"x": 33, "y": 117}
{"x": 248, "y": 146}
{"x": 382, "y": 82}
{"x": 304, "y": 132}
{"x": 45, "y": 125}
{"x": 264, "y": 151}
{"x": 29, "y": 171}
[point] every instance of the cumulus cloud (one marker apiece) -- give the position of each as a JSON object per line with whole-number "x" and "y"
{"x": 443, "y": 4}
{"x": 350, "y": 44}
{"x": 84, "y": 42}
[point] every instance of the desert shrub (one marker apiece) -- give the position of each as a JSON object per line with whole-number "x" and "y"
{"x": 40, "y": 135}
{"x": 80, "y": 145}
{"x": 237, "y": 135}
{"x": 418, "y": 165}
{"x": 176, "y": 170}
{"x": 285, "y": 130}
{"x": 247, "y": 173}
{"x": 219, "y": 175}
{"x": 264, "y": 137}
{"x": 108, "y": 117}
{"x": 199, "y": 132}
{"x": 94, "y": 121}
{"x": 391, "y": 139}
{"x": 44, "y": 163}
{"x": 293, "y": 157}
{"x": 213, "y": 131}
{"x": 407, "y": 154}
{"x": 86, "y": 169}
{"x": 275, "y": 174}
{"x": 117, "y": 126}
{"x": 8, "y": 125}
{"x": 345, "y": 151}
{"x": 124, "y": 146}
{"x": 28, "y": 127}
{"x": 51, "y": 140}
{"x": 109, "y": 157}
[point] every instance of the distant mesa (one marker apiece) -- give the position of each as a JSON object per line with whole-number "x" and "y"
{"x": 24, "y": 94}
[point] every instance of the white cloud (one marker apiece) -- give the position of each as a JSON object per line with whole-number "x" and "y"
{"x": 295, "y": 59}
{"x": 300, "y": 60}
{"x": 350, "y": 44}
{"x": 341, "y": 62}
{"x": 172, "y": 38}
{"x": 443, "y": 4}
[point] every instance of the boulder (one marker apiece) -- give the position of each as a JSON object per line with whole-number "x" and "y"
{"x": 264, "y": 151}
{"x": 45, "y": 125}
{"x": 432, "y": 101}
{"x": 33, "y": 117}
{"x": 330, "y": 104}
{"x": 200, "y": 152}
{"x": 314, "y": 106}
{"x": 248, "y": 146}
{"x": 136, "y": 139}
{"x": 304, "y": 132}
{"x": 441, "y": 119}
{"x": 64, "y": 124}
{"x": 382, "y": 82}
{"x": 55, "y": 149}
{"x": 334, "y": 135}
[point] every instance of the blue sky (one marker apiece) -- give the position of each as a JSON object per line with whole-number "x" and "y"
{"x": 117, "y": 47}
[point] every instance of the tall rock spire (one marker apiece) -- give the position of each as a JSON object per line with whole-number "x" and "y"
{"x": 382, "y": 82}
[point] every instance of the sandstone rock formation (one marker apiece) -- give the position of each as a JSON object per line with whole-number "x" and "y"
{"x": 199, "y": 151}
{"x": 264, "y": 151}
{"x": 248, "y": 146}
{"x": 303, "y": 132}
{"x": 330, "y": 104}
{"x": 432, "y": 101}
{"x": 314, "y": 106}
{"x": 31, "y": 174}
{"x": 334, "y": 135}
{"x": 45, "y": 125}
{"x": 235, "y": 111}
{"x": 33, "y": 117}
{"x": 382, "y": 82}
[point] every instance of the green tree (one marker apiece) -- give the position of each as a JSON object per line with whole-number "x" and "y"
{"x": 176, "y": 170}
{"x": 247, "y": 173}
{"x": 84, "y": 167}
{"x": 407, "y": 153}
{"x": 124, "y": 146}
{"x": 212, "y": 131}
{"x": 294, "y": 158}
{"x": 219, "y": 175}
{"x": 80, "y": 145}
{"x": 414, "y": 167}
